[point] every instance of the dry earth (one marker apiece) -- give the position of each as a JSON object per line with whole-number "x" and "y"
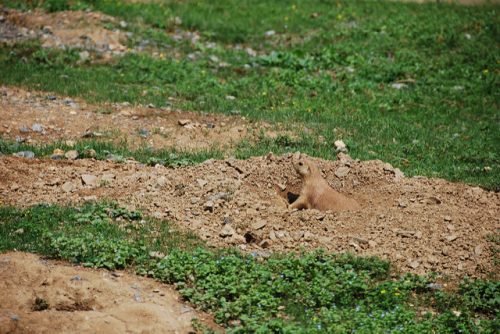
{"x": 83, "y": 300}
{"x": 62, "y": 118}
{"x": 418, "y": 223}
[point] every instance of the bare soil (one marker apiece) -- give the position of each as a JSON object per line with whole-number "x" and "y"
{"x": 43, "y": 296}
{"x": 420, "y": 224}
{"x": 63, "y": 119}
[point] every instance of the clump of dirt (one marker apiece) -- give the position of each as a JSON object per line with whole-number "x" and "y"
{"x": 41, "y": 296}
{"x": 73, "y": 29}
{"x": 63, "y": 118}
{"x": 420, "y": 224}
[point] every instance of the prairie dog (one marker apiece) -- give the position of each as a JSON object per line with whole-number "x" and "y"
{"x": 316, "y": 193}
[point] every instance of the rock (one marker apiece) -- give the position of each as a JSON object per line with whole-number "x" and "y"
{"x": 184, "y": 122}
{"x": 402, "y": 204}
{"x": 405, "y": 233}
{"x": 156, "y": 255}
{"x": 372, "y": 243}
{"x": 342, "y": 172}
{"x": 308, "y": 236}
{"x": 227, "y": 231}
{"x": 37, "y": 127}
{"x": 388, "y": 168}
{"x": 89, "y": 180}
{"x": 398, "y": 174}
{"x": 84, "y": 56}
{"x": 414, "y": 264}
{"x": 269, "y": 33}
{"x": 447, "y": 218}
{"x": 70, "y": 143}
{"x": 398, "y": 85}
{"x": 230, "y": 97}
{"x": 478, "y": 250}
{"x": 25, "y": 154}
{"x": 19, "y": 231}
{"x": 68, "y": 187}
{"x": 297, "y": 235}
{"x": 24, "y": 129}
{"x": 340, "y": 146}
{"x": 201, "y": 182}
{"x": 91, "y": 198}
{"x": 144, "y": 133}
{"x": 123, "y": 24}
{"x": 265, "y": 243}
{"x": 259, "y": 224}
{"x": 451, "y": 238}
{"x": 14, "y": 187}
{"x": 435, "y": 286}
{"x": 71, "y": 155}
{"x": 208, "y": 206}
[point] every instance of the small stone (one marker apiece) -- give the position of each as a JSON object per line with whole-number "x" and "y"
{"x": 123, "y": 24}
{"x": 340, "y": 146}
{"x": 51, "y": 98}
{"x": 71, "y": 155}
{"x": 342, "y": 172}
{"x": 451, "y": 238}
{"x": 184, "y": 122}
{"x": 25, "y": 154}
{"x": 398, "y": 174}
{"x": 259, "y": 224}
{"x": 308, "y": 236}
{"x": 230, "y": 97}
{"x": 91, "y": 198}
{"x": 19, "y": 231}
{"x": 144, "y": 133}
{"x": 478, "y": 250}
{"x": 24, "y": 129}
{"x": 156, "y": 290}
{"x": 265, "y": 243}
{"x": 457, "y": 313}
{"x": 76, "y": 278}
{"x": 414, "y": 264}
{"x": 68, "y": 187}
{"x": 70, "y": 143}
{"x": 157, "y": 255}
{"x": 84, "y": 55}
{"x": 227, "y": 231}
{"x": 209, "y": 206}
{"x": 447, "y": 218}
{"x": 201, "y": 182}
{"x": 269, "y": 33}
{"x": 398, "y": 85}
{"x": 297, "y": 235}
{"x": 418, "y": 234}
{"x": 405, "y": 233}
{"x": 37, "y": 127}
{"x": 402, "y": 204}
{"x": 435, "y": 286}
{"x": 487, "y": 168}
{"x": 372, "y": 243}
{"x": 89, "y": 180}
{"x": 388, "y": 168}
{"x": 14, "y": 187}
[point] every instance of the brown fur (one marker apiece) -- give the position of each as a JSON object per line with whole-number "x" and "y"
{"x": 316, "y": 193}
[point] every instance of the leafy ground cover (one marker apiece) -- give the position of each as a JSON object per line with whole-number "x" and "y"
{"x": 248, "y": 293}
{"x": 414, "y": 85}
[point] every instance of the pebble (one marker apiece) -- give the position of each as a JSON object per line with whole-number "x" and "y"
{"x": 184, "y": 122}
{"x": 91, "y": 153}
{"x": 209, "y": 206}
{"x": 259, "y": 224}
{"x": 414, "y": 264}
{"x": 37, "y": 127}
{"x": 24, "y": 129}
{"x": 25, "y": 154}
{"x": 71, "y": 155}
{"x": 451, "y": 237}
{"x": 84, "y": 55}
{"x": 227, "y": 231}
{"x": 89, "y": 180}
{"x": 340, "y": 146}
{"x": 398, "y": 85}
{"x": 447, "y": 218}
{"x": 265, "y": 243}
{"x": 68, "y": 187}
{"x": 19, "y": 231}
{"x": 342, "y": 172}
{"x": 435, "y": 286}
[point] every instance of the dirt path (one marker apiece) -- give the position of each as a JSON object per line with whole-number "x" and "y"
{"x": 420, "y": 224}
{"x": 83, "y": 300}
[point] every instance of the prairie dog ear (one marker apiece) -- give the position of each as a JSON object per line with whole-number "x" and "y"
{"x": 296, "y": 156}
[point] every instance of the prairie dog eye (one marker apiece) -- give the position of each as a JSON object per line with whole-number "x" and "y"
{"x": 300, "y": 163}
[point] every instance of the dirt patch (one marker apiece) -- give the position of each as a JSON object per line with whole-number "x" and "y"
{"x": 41, "y": 296}
{"x": 420, "y": 224}
{"x": 74, "y": 29}
{"x": 63, "y": 118}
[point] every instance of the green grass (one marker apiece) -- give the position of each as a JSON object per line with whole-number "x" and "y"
{"x": 103, "y": 150}
{"x": 286, "y": 293}
{"x": 331, "y": 75}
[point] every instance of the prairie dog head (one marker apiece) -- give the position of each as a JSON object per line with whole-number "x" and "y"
{"x": 301, "y": 165}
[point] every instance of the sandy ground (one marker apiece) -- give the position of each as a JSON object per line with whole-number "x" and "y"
{"x": 83, "y": 300}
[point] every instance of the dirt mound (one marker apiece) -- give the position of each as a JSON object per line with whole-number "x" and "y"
{"x": 420, "y": 224}
{"x": 63, "y": 118}
{"x": 40, "y": 296}
{"x": 74, "y": 29}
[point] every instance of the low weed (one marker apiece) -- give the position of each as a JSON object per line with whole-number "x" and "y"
{"x": 309, "y": 292}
